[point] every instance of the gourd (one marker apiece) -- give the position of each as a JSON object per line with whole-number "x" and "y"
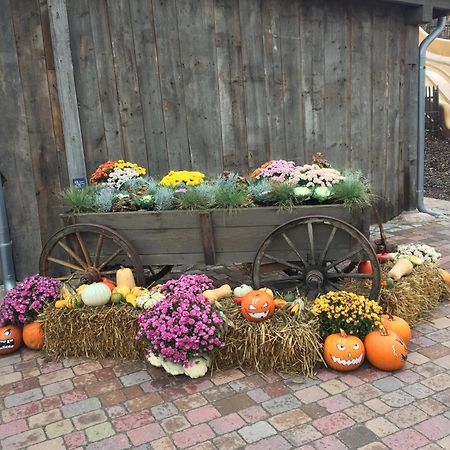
{"x": 385, "y": 350}
{"x": 343, "y": 352}
{"x": 401, "y": 268}
{"x": 196, "y": 368}
{"x": 445, "y": 276}
{"x": 172, "y": 368}
{"x": 109, "y": 283}
{"x": 122, "y": 290}
{"x": 154, "y": 360}
{"x": 212, "y": 295}
{"x": 125, "y": 277}
{"x": 33, "y": 335}
{"x": 269, "y": 291}
{"x": 10, "y": 339}
{"x": 257, "y": 306}
{"x": 96, "y": 294}
{"x": 241, "y": 290}
{"x": 398, "y": 326}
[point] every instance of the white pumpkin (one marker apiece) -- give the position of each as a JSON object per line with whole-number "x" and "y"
{"x": 154, "y": 360}
{"x": 172, "y": 368}
{"x": 96, "y": 294}
{"x": 241, "y": 290}
{"x": 196, "y": 368}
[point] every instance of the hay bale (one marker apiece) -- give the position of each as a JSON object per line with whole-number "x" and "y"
{"x": 93, "y": 332}
{"x": 282, "y": 344}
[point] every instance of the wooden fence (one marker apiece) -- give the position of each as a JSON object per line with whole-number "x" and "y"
{"x": 208, "y": 85}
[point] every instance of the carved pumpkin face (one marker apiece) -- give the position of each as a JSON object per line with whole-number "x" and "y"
{"x": 257, "y": 306}
{"x": 343, "y": 352}
{"x": 10, "y": 339}
{"x": 385, "y": 350}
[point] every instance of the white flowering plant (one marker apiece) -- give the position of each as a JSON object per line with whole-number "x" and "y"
{"x": 424, "y": 252}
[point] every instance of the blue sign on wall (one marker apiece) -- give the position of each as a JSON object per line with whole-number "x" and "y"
{"x": 79, "y": 183}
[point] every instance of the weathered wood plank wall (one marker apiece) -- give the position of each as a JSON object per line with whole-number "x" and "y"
{"x": 208, "y": 85}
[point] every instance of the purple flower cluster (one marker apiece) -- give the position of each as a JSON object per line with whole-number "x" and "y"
{"x": 278, "y": 170}
{"x": 184, "y": 325}
{"x": 22, "y": 304}
{"x": 187, "y": 285}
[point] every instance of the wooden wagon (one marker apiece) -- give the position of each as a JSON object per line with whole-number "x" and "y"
{"x": 309, "y": 248}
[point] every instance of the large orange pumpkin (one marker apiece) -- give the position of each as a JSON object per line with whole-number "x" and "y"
{"x": 257, "y": 306}
{"x": 343, "y": 352}
{"x": 398, "y": 326}
{"x": 33, "y": 335}
{"x": 385, "y": 350}
{"x": 10, "y": 339}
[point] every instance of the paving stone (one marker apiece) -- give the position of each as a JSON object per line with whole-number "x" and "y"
{"x": 281, "y": 404}
{"x": 302, "y": 434}
{"x": 397, "y": 398}
{"x": 381, "y": 426}
{"x": 14, "y": 427}
{"x": 218, "y": 393}
{"x": 276, "y": 390}
{"x": 143, "y": 402}
{"x": 431, "y": 406}
{"x": 89, "y": 419}
{"x": 328, "y": 443}
{"x": 99, "y": 432}
{"x": 257, "y": 431}
{"x": 227, "y": 424}
{"x": 442, "y": 322}
{"x": 230, "y": 441}
{"x": 145, "y": 434}
{"x": 10, "y": 378}
{"x": 87, "y": 367}
{"x": 248, "y": 383}
{"x": 190, "y": 402}
{"x": 388, "y": 384}
{"x": 81, "y": 407}
{"x": 444, "y": 443}
{"x": 44, "y": 418}
{"x": 196, "y": 385}
{"x": 289, "y": 419}
{"x": 333, "y": 423}
{"x": 253, "y": 414}
{"x": 52, "y": 444}
{"x": 334, "y": 386}
{"x": 49, "y": 403}
{"x": 19, "y": 412}
{"x": 443, "y": 397}
{"x": 335, "y": 403}
{"x": 443, "y": 362}
{"x": 417, "y": 359}
{"x": 424, "y": 328}
{"x": 258, "y": 395}
{"x": 175, "y": 423}
{"x": 75, "y": 439}
{"x": 117, "y": 442}
{"x": 378, "y": 406}
{"x": 406, "y": 416}
{"x": 57, "y": 376}
{"x": 435, "y": 428}
{"x": 351, "y": 380}
{"x": 437, "y": 383}
{"x": 405, "y": 439}
{"x": 134, "y": 420}
{"x": 418, "y": 390}
{"x": 73, "y": 396}
{"x": 22, "y": 398}
{"x": 24, "y": 439}
{"x": 440, "y": 336}
{"x": 429, "y": 369}
{"x": 435, "y": 351}
{"x": 408, "y": 376}
{"x": 314, "y": 410}
{"x": 271, "y": 443}
{"x": 165, "y": 410}
{"x": 373, "y": 446}
{"x": 311, "y": 394}
{"x": 135, "y": 378}
{"x": 300, "y": 382}
{"x": 59, "y": 428}
{"x": 112, "y": 398}
{"x": 193, "y": 435}
{"x": 163, "y": 443}
{"x": 360, "y": 413}
{"x": 234, "y": 403}
{"x": 202, "y": 414}
{"x": 362, "y": 393}
{"x": 226, "y": 376}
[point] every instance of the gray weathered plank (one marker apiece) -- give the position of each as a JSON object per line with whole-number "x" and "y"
{"x": 66, "y": 89}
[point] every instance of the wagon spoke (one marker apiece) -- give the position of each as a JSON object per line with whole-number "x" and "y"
{"x": 107, "y": 261}
{"x": 282, "y": 280}
{"x": 327, "y": 246}
{"x": 98, "y": 249}
{"x": 311, "y": 241}
{"x": 70, "y": 252}
{"x": 65, "y": 264}
{"x": 83, "y": 248}
{"x": 339, "y": 261}
{"x": 108, "y": 272}
{"x": 366, "y": 276}
{"x": 332, "y": 285}
{"x": 293, "y": 247}
{"x": 282, "y": 261}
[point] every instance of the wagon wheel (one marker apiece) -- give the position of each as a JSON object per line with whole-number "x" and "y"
{"x": 315, "y": 255}
{"x": 88, "y": 253}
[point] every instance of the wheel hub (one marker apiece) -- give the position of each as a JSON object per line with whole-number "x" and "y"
{"x": 314, "y": 279}
{"x": 92, "y": 275}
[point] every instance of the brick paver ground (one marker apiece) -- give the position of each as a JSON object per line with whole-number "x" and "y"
{"x": 79, "y": 403}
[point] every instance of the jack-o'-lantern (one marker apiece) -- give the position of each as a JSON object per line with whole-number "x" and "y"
{"x": 343, "y": 352}
{"x": 257, "y": 306}
{"x": 10, "y": 339}
{"x": 385, "y": 350}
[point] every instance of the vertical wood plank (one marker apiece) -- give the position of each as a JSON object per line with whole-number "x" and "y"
{"x": 32, "y": 66}
{"x": 149, "y": 86}
{"x": 231, "y": 85}
{"x": 106, "y": 79}
{"x": 198, "y": 62}
{"x": 171, "y": 79}
{"x": 87, "y": 85}
{"x": 59, "y": 27}
{"x": 127, "y": 81}
{"x": 255, "y": 95}
{"x": 15, "y": 162}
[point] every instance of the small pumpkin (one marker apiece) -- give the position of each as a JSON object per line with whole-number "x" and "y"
{"x": 365, "y": 267}
{"x": 96, "y": 294}
{"x": 343, "y": 352}
{"x": 445, "y": 276}
{"x": 125, "y": 277}
{"x": 398, "y": 326}
{"x": 241, "y": 290}
{"x": 10, "y": 339}
{"x": 385, "y": 350}
{"x": 257, "y": 306}
{"x": 109, "y": 283}
{"x": 123, "y": 290}
{"x": 60, "y": 304}
{"x": 33, "y": 335}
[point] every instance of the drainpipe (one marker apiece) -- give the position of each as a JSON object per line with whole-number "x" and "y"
{"x": 421, "y": 117}
{"x": 7, "y": 264}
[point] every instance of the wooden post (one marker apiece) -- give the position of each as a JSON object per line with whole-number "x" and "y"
{"x": 59, "y": 28}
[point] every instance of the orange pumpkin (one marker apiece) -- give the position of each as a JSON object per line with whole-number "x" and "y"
{"x": 398, "y": 326}
{"x": 343, "y": 352}
{"x": 445, "y": 276}
{"x": 385, "y": 350}
{"x": 108, "y": 283}
{"x": 33, "y": 335}
{"x": 10, "y": 339}
{"x": 257, "y": 306}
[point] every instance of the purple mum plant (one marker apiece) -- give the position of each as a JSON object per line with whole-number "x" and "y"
{"x": 23, "y": 303}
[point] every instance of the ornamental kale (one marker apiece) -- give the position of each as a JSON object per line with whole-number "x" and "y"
{"x": 22, "y": 304}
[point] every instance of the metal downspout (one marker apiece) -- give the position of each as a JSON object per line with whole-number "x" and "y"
{"x": 7, "y": 264}
{"x": 421, "y": 117}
